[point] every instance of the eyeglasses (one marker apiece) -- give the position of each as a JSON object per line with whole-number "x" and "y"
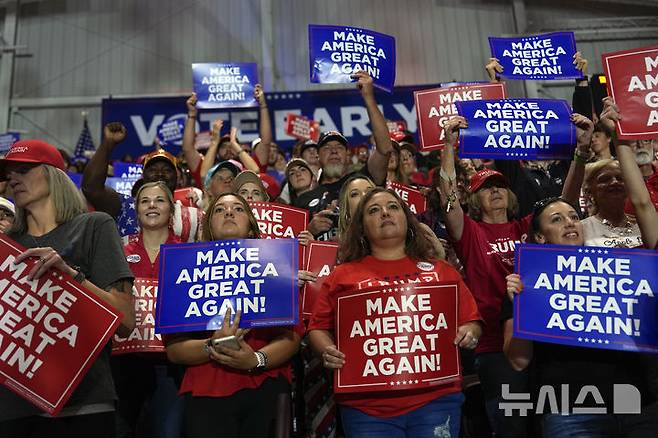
{"x": 21, "y": 169}
{"x": 6, "y": 215}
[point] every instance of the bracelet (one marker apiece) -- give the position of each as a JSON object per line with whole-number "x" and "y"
{"x": 207, "y": 346}
{"x": 262, "y": 359}
{"x": 79, "y": 277}
{"x": 191, "y": 117}
{"x": 263, "y": 106}
{"x": 580, "y": 158}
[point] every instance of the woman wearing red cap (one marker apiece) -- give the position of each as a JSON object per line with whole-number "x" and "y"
{"x": 51, "y": 222}
{"x": 484, "y": 241}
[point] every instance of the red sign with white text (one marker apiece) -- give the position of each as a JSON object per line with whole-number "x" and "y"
{"x": 396, "y": 126}
{"x": 302, "y": 127}
{"x": 414, "y": 198}
{"x": 143, "y": 338}
{"x": 52, "y": 331}
{"x": 632, "y": 81}
{"x": 436, "y": 106}
{"x": 186, "y": 196}
{"x": 321, "y": 260}
{"x": 280, "y": 221}
{"x": 397, "y": 337}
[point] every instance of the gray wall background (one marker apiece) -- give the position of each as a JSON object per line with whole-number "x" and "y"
{"x": 81, "y": 50}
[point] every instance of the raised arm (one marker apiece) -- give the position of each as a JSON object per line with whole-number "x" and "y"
{"x": 192, "y": 156}
{"x": 262, "y": 149}
{"x": 636, "y": 189}
{"x": 211, "y": 153}
{"x": 244, "y": 157}
{"x": 576, "y": 174}
{"x": 493, "y": 68}
{"x": 93, "y": 179}
{"x": 454, "y": 215}
{"x": 378, "y": 160}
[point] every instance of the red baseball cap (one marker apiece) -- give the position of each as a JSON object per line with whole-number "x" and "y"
{"x": 32, "y": 151}
{"x": 271, "y": 185}
{"x": 485, "y": 175}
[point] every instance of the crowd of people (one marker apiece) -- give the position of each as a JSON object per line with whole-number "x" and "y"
{"x": 277, "y": 381}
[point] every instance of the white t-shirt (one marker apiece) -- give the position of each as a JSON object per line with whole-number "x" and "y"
{"x": 600, "y": 234}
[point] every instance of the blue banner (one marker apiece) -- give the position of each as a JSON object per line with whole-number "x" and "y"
{"x": 171, "y": 132}
{"x": 6, "y": 140}
{"x": 337, "y": 52}
{"x": 588, "y": 296}
{"x": 225, "y": 85}
{"x": 127, "y": 170}
{"x": 200, "y": 281}
{"x": 513, "y": 129}
{"x": 547, "y": 56}
{"x": 335, "y": 110}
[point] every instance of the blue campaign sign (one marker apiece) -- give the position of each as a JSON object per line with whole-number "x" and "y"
{"x": 336, "y": 52}
{"x": 513, "y": 129}
{"x": 199, "y": 281}
{"x": 171, "y": 132}
{"x": 6, "y": 140}
{"x": 546, "y": 56}
{"x": 127, "y": 170}
{"x": 588, "y": 296}
{"x": 335, "y": 110}
{"x": 225, "y": 85}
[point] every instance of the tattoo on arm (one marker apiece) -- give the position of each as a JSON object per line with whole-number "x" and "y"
{"x": 122, "y": 285}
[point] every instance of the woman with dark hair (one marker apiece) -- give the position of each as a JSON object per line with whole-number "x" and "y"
{"x": 384, "y": 245}
{"x": 556, "y": 221}
{"x": 233, "y": 392}
{"x": 484, "y": 241}
{"x": 51, "y": 221}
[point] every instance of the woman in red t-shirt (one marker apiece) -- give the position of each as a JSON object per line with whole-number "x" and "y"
{"x": 233, "y": 392}
{"x": 148, "y": 376}
{"x": 384, "y": 245}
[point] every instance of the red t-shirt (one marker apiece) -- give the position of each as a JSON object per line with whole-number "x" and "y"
{"x": 487, "y": 253}
{"x": 652, "y": 187}
{"x": 370, "y": 272}
{"x": 138, "y": 258}
{"x": 214, "y": 380}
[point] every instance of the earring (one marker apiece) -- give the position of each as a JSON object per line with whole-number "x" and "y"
{"x": 364, "y": 242}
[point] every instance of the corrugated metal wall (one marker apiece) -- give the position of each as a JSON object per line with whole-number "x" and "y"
{"x": 95, "y": 48}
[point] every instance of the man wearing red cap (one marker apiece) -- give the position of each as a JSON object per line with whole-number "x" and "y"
{"x": 159, "y": 165}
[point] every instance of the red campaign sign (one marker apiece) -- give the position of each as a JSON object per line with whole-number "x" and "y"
{"x": 51, "y": 331}
{"x": 181, "y": 195}
{"x": 396, "y": 126}
{"x": 632, "y": 81}
{"x": 397, "y": 337}
{"x": 414, "y": 198}
{"x": 302, "y": 127}
{"x": 437, "y": 105}
{"x": 143, "y": 338}
{"x": 280, "y": 221}
{"x": 321, "y": 260}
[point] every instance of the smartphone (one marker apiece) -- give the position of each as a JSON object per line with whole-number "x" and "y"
{"x": 227, "y": 342}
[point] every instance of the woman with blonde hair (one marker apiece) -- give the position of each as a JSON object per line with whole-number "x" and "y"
{"x": 51, "y": 221}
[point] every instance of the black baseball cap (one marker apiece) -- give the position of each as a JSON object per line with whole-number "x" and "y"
{"x": 328, "y": 136}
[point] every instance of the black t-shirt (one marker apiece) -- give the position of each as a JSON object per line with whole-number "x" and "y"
{"x": 322, "y": 196}
{"x": 556, "y": 365}
{"x": 90, "y": 242}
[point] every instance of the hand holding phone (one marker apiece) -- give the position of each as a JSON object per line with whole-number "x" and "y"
{"x": 230, "y": 342}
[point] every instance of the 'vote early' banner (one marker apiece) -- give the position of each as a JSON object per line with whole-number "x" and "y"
{"x": 413, "y": 198}
{"x": 546, "y": 56}
{"x": 200, "y": 281}
{"x": 337, "y": 52}
{"x": 143, "y": 338}
{"x": 398, "y": 337}
{"x": 632, "y": 81}
{"x": 588, "y": 296}
{"x": 436, "y": 106}
{"x": 302, "y": 127}
{"x": 225, "y": 85}
{"x": 321, "y": 260}
{"x": 52, "y": 331}
{"x": 513, "y": 129}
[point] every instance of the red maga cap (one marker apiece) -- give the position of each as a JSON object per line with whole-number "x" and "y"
{"x": 32, "y": 151}
{"x": 483, "y": 176}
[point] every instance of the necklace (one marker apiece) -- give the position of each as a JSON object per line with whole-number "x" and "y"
{"x": 625, "y": 229}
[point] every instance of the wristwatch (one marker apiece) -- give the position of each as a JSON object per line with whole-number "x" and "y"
{"x": 262, "y": 359}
